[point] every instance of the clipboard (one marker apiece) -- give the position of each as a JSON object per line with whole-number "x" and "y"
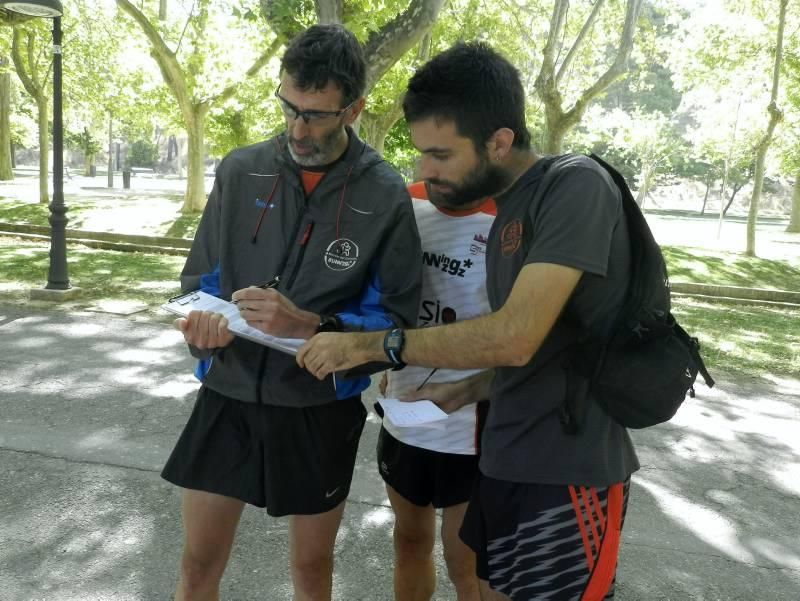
{"x": 198, "y": 300}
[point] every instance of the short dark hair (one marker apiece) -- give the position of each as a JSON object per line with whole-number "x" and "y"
{"x": 327, "y": 53}
{"x": 473, "y": 86}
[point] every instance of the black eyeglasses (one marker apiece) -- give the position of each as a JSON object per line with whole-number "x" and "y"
{"x": 292, "y": 112}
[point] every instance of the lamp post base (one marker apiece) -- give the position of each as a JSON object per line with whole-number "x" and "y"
{"x": 56, "y": 296}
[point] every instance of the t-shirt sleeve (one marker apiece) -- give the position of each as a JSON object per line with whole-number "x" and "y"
{"x": 575, "y": 220}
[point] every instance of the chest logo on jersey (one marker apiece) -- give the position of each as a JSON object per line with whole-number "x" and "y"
{"x": 341, "y": 254}
{"x": 431, "y": 312}
{"x": 478, "y": 245}
{"x": 511, "y": 238}
{"x": 455, "y": 267}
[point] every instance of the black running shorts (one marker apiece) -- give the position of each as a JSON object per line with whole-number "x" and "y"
{"x": 293, "y": 461}
{"x": 537, "y": 541}
{"x": 424, "y": 477}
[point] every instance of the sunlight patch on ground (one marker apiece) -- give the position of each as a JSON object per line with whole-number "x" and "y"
{"x": 728, "y": 346}
{"x": 170, "y": 337}
{"x": 708, "y": 525}
{"x": 28, "y": 252}
{"x": 380, "y": 516}
{"x": 787, "y": 476}
{"x": 786, "y": 385}
{"x": 142, "y": 357}
{"x": 118, "y": 306}
{"x": 102, "y": 438}
{"x": 34, "y": 342}
{"x": 157, "y": 285}
{"x": 776, "y": 553}
{"x": 174, "y": 388}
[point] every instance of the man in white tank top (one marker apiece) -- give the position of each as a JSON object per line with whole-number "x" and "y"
{"x": 424, "y": 468}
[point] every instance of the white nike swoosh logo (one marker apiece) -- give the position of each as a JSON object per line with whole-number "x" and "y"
{"x": 328, "y": 495}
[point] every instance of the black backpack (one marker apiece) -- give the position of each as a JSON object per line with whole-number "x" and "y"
{"x": 642, "y": 372}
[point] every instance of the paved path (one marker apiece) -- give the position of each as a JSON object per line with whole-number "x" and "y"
{"x": 90, "y": 404}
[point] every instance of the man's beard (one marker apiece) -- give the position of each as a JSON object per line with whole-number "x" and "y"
{"x": 485, "y": 181}
{"x": 322, "y": 152}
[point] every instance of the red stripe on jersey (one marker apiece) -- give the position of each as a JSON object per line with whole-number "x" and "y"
{"x": 418, "y": 191}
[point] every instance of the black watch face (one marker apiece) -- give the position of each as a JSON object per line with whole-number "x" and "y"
{"x": 395, "y": 341}
{"x": 328, "y": 324}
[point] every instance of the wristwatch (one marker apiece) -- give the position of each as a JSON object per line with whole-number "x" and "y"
{"x": 393, "y": 343}
{"x": 329, "y": 323}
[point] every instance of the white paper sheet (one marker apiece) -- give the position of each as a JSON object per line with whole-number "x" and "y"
{"x": 200, "y": 301}
{"x": 417, "y": 413}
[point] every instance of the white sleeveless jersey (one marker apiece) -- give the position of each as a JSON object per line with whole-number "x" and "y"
{"x": 453, "y": 289}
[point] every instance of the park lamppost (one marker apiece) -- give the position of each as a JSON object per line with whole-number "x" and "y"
{"x": 57, "y": 277}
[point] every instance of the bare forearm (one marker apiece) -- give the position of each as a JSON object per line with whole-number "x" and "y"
{"x": 487, "y": 341}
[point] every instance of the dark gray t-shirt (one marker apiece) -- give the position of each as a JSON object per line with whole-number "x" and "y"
{"x": 564, "y": 210}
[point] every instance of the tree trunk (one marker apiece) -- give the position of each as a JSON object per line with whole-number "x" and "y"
{"x": 733, "y": 196}
{"x": 178, "y": 156}
{"x": 110, "y": 150}
{"x": 179, "y": 81}
{"x": 195, "y": 199}
{"x": 559, "y": 120}
{"x": 329, "y": 11}
{"x": 5, "y": 125}
{"x": 775, "y": 116}
{"x": 384, "y": 46}
{"x": 375, "y": 126}
{"x": 648, "y": 170}
{"x": 44, "y": 149}
{"x": 705, "y": 198}
{"x": 557, "y": 128}
{"x": 89, "y": 162}
{"x": 794, "y": 222}
{"x": 162, "y": 10}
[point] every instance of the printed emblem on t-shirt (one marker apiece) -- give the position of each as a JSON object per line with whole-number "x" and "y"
{"x": 511, "y": 238}
{"x": 478, "y": 244}
{"x": 432, "y": 312}
{"x": 341, "y": 254}
{"x": 447, "y": 264}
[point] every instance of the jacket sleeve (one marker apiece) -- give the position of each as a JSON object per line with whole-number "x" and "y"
{"x": 391, "y": 296}
{"x": 201, "y": 270}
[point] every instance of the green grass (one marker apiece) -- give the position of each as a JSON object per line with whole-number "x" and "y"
{"x": 702, "y": 266}
{"x": 748, "y": 340}
{"x": 15, "y": 211}
{"x": 101, "y": 274}
{"x": 184, "y": 226}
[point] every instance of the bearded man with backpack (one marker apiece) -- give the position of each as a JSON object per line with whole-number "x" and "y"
{"x": 547, "y": 510}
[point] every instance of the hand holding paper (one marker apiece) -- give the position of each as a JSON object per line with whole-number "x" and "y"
{"x": 418, "y": 413}
{"x": 201, "y": 302}
{"x": 204, "y": 330}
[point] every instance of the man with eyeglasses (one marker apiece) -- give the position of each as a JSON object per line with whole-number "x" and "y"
{"x": 309, "y": 231}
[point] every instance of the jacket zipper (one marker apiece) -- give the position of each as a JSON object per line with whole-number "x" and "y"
{"x": 303, "y": 242}
{"x": 262, "y": 368}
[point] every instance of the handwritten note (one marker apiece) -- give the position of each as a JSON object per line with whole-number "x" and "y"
{"x": 416, "y": 413}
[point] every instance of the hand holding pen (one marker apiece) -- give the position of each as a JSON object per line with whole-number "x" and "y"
{"x": 273, "y": 283}
{"x": 266, "y": 309}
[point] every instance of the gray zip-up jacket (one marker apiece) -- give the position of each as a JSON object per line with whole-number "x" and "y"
{"x": 351, "y": 249}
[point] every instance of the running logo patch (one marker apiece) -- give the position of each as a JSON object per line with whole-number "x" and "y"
{"x": 511, "y": 238}
{"x": 341, "y": 254}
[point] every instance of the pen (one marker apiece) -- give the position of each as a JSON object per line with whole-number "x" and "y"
{"x": 265, "y": 286}
{"x": 271, "y": 284}
{"x": 428, "y": 377}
